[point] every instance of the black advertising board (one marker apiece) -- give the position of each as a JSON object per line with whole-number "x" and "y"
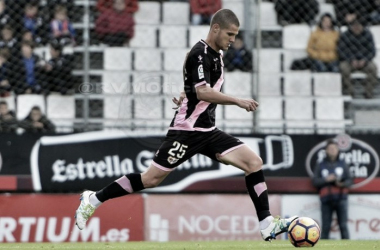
{"x": 71, "y": 163}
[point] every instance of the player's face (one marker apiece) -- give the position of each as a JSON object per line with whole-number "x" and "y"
{"x": 226, "y": 37}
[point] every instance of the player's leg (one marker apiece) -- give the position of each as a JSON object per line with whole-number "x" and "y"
{"x": 245, "y": 159}
{"x": 127, "y": 184}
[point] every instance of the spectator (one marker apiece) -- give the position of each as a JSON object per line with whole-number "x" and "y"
{"x": 375, "y": 14}
{"x": 349, "y": 10}
{"x": 356, "y": 50}
{"x": 5, "y": 86}
{"x": 57, "y": 71}
{"x": 8, "y": 122}
{"x": 61, "y": 27}
{"x": 4, "y": 15}
{"x": 115, "y": 27}
{"x": 36, "y": 122}
{"x": 238, "y": 57}
{"x": 332, "y": 178}
{"x": 26, "y": 71}
{"x": 8, "y": 40}
{"x": 202, "y": 10}
{"x": 68, "y": 4}
{"x": 296, "y": 11}
{"x": 33, "y": 23}
{"x": 322, "y": 46}
{"x": 131, "y": 6}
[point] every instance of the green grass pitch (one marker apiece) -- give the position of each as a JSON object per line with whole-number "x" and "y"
{"x": 228, "y": 245}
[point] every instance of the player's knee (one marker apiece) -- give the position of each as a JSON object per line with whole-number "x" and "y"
{"x": 255, "y": 164}
{"x": 151, "y": 183}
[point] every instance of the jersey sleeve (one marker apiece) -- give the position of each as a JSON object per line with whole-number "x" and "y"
{"x": 200, "y": 69}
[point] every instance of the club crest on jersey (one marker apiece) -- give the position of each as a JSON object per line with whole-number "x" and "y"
{"x": 172, "y": 160}
{"x": 200, "y": 58}
{"x": 200, "y": 72}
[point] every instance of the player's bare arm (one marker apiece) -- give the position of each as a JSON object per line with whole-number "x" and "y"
{"x": 207, "y": 94}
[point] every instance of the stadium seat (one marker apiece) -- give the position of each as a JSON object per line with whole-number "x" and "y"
{"x": 270, "y": 108}
{"x": 117, "y": 107}
{"x": 329, "y": 108}
{"x": 176, "y": 13}
{"x": 299, "y": 108}
{"x": 196, "y": 33}
{"x": 299, "y": 127}
{"x": 330, "y": 127}
{"x": 297, "y": 84}
{"x": 232, "y": 112}
{"x": 174, "y": 59}
{"x": 269, "y": 115}
{"x": 269, "y": 60}
{"x": 173, "y": 83}
{"x": 327, "y": 84}
{"x": 117, "y": 59}
{"x": 61, "y": 111}
{"x": 268, "y": 16}
{"x": 172, "y": 36}
{"x": 325, "y": 8}
{"x": 237, "y": 6}
{"x": 145, "y": 37}
{"x": 149, "y": 83}
{"x": 375, "y": 30}
{"x": 10, "y": 100}
{"x": 26, "y": 102}
{"x": 116, "y": 82}
{"x": 148, "y": 13}
{"x": 292, "y": 54}
{"x": 148, "y": 107}
{"x": 42, "y": 52}
{"x": 295, "y": 36}
{"x": 238, "y": 84}
{"x": 147, "y": 60}
{"x": 269, "y": 84}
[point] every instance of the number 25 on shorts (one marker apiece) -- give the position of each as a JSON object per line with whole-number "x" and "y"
{"x": 178, "y": 150}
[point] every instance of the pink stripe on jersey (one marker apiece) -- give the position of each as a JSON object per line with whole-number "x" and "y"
{"x": 162, "y": 167}
{"x": 193, "y": 129}
{"x": 188, "y": 125}
{"x": 206, "y": 45}
{"x": 201, "y": 83}
{"x": 260, "y": 188}
{"x": 231, "y": 149}
{"x": 125, "y": 184}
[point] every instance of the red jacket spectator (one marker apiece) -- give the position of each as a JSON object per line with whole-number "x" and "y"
{"x": 131, "y": 5}
{"x": 205, "y": 7}
{"x": 115, "y": 27}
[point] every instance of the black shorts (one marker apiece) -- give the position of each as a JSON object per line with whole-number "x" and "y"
{"x": 180, "y": 146}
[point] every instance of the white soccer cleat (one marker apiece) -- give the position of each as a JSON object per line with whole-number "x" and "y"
{"x": 276, "y": 227}
{"x": 85, "y": 209}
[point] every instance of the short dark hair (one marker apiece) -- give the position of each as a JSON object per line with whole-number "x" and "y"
{"x": 36, "y": 108}
{"x": 225, "y": 18}
{"x": 331, "y": 142}
{"x": 28, "y": 43}
{"x": 333, "y": 24}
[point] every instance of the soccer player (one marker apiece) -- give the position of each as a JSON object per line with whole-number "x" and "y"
{"x": 193, "y": 131}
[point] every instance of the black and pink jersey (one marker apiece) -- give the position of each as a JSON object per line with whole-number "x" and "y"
{"x": 203, "y": 65}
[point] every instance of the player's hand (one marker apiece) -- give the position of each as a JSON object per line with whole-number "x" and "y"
{"x": 248, "y": 104}
{"x": 179, "y": 101}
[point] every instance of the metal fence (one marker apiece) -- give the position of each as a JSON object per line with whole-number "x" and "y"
{"x": 121, "y": 63}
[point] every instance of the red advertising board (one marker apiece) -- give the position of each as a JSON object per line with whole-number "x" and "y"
{"x": 50, "y": 218}
{"x": 203, "y": 217}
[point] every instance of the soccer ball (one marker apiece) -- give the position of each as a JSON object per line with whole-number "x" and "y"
{"x": 304, "y": 232}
